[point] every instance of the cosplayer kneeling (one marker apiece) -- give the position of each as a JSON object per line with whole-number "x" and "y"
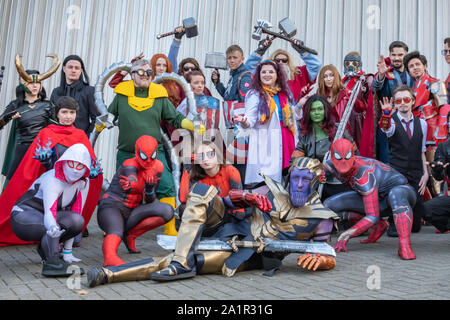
{"x": 50, "y": 211}
{"x": 379, "y": 191}
{"x": 295, "y": 213}
{"x": 121, "y": 214}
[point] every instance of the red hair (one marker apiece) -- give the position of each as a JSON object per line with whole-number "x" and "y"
{"x": 173, "y": 89}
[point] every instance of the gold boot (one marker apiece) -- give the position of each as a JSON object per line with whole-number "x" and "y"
{"x": 169, "y": 227}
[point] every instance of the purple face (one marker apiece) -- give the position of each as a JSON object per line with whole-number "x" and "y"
{"x": 300, "y": 186}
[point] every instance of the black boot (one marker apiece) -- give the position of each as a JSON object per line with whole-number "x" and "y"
{"x": 174, "y": 271}
{"x": 55, "y": 266}
{"x": 95, "y": 277}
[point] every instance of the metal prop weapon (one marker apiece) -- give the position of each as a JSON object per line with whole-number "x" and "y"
{"x": 266, "y": 244}
{"x": 344, "y": 120}
{"x": 288, "y": 30}
{"x": 190, "y": 27}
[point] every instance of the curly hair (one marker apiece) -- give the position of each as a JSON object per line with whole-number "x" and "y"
{"x": 281, "y": 83}
{"x": 171, "y": 86}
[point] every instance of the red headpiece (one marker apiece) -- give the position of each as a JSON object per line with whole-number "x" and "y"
{"x": 342, "y": 156}
{"x": 146, "y": 150}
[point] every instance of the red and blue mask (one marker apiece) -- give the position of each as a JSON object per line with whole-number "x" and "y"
{"x": 342, "y": 156}
{"x": 146, "y": 150}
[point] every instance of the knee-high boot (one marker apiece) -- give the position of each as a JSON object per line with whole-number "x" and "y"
{"x": 142, "y": 227}
{"x": 403, "y": 223}
{"x": 169, "y": 227}
{"x": 110, "y": 245}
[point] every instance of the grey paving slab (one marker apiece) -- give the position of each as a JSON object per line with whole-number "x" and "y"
{"x": 352, "y": 279}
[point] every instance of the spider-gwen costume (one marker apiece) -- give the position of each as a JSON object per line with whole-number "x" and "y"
{"x": 379, "y": 191}
{"x": 120, "y": 213}
{"x": 50, "y": 211}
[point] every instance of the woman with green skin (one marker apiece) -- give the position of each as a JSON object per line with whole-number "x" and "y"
{"x": 316, "y": 136}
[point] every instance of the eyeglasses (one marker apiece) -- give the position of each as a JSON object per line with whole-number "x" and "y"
{"x": 445, "y": 52}
{"x": 405, "y": 100}
{"x": 142, "y": 72}
{"x": 186, "y": 69}
{"x": 281, "y": 60}
{"x": 206, "y": 155}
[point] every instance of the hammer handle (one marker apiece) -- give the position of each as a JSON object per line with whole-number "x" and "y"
{"x": 278, "y": 35}
{"x": 159, "y": 36}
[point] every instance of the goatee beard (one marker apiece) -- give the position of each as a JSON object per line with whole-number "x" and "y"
{"x": 298, "y": 199}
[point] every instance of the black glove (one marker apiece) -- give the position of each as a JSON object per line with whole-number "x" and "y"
{"x": 437, "y": 171}
{"x": 150, "y": 192}
{"x": 262, "y": 46}
{"x": 298, "y": 48}
{"x": 179, "y": 35}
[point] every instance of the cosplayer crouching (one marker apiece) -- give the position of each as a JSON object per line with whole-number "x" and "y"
{"x": 296, "y": 214}
{"x": 379, "y": 191}
{"x": 50, "y": 211}
{"x": 121, "y": 213}
{"x": 49, "y": 145}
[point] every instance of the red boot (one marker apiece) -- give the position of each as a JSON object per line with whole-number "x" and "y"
{"x": 377, "y": 231}
{"x": 110, "y": 245}
{"x": 141, "y": 228}
{"x": 403, "y": 223}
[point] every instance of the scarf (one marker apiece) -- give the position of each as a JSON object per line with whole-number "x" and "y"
{"x": 286, "y": 110}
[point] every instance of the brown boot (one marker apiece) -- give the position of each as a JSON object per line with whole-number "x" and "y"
{"x": 110, "y": 245}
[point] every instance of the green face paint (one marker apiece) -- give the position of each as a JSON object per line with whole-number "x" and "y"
{"x": 317, "y": 113}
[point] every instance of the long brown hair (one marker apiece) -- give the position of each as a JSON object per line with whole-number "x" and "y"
{"x": 337, "y": 84}
{"x": 197, "y": 173}
{"x": 171, "y": 86}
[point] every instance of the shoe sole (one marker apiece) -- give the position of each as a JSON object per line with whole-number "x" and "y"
{"x": 162, "y": 278}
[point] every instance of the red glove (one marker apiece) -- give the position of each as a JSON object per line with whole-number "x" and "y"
{"x": 385, "y": 120}
{"x": 128, "y": 182}
{"x": 244, "y": 199}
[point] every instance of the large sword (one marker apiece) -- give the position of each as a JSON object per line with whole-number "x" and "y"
{"x": 266, "y": 244}
{"x": 344, "y": 120}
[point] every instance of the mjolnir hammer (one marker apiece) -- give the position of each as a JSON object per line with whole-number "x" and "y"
{"x": 190, "y": 27}
{"x": 288, "y": 31}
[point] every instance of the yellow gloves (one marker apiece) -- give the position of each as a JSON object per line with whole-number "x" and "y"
{"x": 189, "y": 125}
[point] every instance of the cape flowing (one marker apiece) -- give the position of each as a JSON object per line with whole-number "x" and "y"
{"x": 30, "y": 169}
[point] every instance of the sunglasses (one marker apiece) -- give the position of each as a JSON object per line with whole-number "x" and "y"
{"x": 142, "y": 72}
{"x": 281, "y": 60}
{"x": 206, "y": 155}
{"x": 445, "y": 52}
{"x": 186, "y": 69}
{"x": 405, "y": 100}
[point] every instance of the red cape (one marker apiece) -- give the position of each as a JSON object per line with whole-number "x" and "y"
{"x": 30, "y": 169}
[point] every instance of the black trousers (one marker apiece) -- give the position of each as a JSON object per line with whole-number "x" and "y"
{"x": 438, "y": 212}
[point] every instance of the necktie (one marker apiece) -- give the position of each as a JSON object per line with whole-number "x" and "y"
{"x": 408, "y": 129}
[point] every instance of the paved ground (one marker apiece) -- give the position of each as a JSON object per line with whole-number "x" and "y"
{"x": 366, "y": 272}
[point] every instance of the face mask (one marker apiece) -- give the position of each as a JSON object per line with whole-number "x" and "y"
{"x": 342, "y": 155}
{"x": 73, "y": 171}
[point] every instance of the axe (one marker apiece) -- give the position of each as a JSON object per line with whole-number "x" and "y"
{"x": 190, "y": 27}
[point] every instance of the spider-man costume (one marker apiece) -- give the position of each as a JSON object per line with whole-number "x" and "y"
{"x": 121, "y": 214}
{"x": 377, "y": 188}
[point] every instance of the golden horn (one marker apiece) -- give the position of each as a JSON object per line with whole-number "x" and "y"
{"x": 20, "y": 69}
{"x": 52, "y": 69}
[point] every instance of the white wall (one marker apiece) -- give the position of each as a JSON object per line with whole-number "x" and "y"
{"x": 106, "y": 31}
